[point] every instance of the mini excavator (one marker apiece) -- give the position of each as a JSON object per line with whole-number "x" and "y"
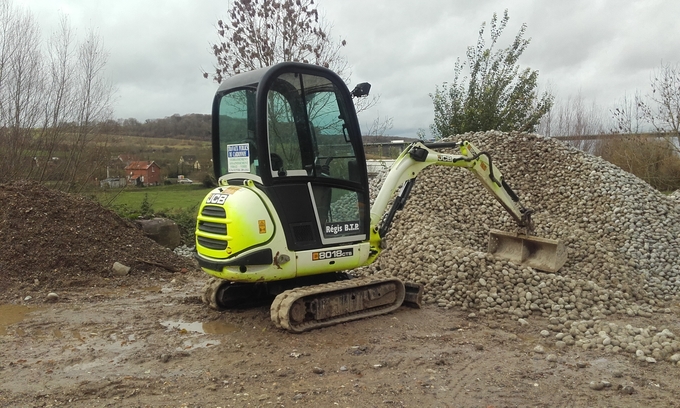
{"x": 292, "y": 210}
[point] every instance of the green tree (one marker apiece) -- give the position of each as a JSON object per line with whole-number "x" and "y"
{"x": 496, "y": 95}
{"x": 146, "y": 209}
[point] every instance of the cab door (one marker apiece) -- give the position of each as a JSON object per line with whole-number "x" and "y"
{"x": 316, "y": 162}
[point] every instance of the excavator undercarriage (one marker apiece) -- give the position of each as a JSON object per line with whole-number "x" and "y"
{"x": 317, "y": 305}
{"x": 312, "y": 307}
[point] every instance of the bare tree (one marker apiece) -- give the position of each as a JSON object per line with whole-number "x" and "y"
{"x": 20, "y": 88}
{"x": 92, "y": 101}
{"x": 628, "y": 117}
{"x": 59, "y": 98}
{"x": 260, "y": 33}
{"x": 653, "y": 159}
{"x": 379, "y": 127}
{"x": 51, "y": 100}
{"x": 662, "y": 111}
{"x": 574, "y": 117}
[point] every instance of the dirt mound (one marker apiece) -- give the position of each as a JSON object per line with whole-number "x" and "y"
{"x": 54, "y": 240}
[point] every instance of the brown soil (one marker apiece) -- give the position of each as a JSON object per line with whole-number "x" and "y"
{"x": 145, "y": 339}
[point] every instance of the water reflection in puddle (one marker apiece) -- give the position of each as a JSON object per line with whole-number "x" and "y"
{"x": 213, "y": 327}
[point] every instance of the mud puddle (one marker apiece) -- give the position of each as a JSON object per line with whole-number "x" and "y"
{"x": 12, "y": 314}
{"x": 212, "y": 327}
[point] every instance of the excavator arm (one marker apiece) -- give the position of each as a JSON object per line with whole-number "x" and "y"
{"x": 418, "y": 156}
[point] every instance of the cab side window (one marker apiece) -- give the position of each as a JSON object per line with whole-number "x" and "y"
{"x": 238, "y": 150}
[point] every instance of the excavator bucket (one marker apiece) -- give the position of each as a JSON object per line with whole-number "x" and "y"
{"x": 539, "y": 253}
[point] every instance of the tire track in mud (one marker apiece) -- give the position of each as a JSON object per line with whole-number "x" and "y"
{"x": 461, "y": 384}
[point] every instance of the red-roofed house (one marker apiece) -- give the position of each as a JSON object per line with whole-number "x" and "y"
{"x": 144, "y": 173}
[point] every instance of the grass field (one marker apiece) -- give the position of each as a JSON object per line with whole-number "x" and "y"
{"x": 124, "y": 142}
{"x": 160, "y": 198}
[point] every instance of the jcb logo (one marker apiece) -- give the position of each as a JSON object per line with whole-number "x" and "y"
{"x": 448, "y": 158}
{"x": 217, "y": 199}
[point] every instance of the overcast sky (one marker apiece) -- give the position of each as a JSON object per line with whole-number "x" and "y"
{"x": 604, "y": 49}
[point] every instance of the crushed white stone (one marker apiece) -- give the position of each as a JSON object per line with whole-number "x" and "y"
{"x": 621, "y": 236}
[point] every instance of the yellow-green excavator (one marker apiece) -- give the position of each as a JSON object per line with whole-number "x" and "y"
{"x": 292, "y": 211}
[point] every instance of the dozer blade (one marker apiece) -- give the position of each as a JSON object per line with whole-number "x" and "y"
{"x": 414, "y": 295}
{"x": 539, "y": 253}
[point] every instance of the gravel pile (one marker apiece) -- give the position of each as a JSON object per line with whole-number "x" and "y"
{"x": 621, "y": 235}
{"x": 185, "y": 251}
{"x": 676, "y": 195}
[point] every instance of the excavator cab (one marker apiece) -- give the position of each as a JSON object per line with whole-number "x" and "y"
{"x": 292, "y": 130}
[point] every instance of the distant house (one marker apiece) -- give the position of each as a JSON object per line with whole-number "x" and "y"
{"x": 189, "y": 160}
{"x": 115, "y": 168}
{"x": 113, "y": 182}
{"x": 48, "y": 166}
{"x": 143, "y": 173}
{"x": 45, "y": 160}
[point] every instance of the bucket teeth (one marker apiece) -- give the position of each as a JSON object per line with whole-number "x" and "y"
{"x": 539, "y": 253}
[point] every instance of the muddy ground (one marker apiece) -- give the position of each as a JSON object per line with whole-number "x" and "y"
{"x": 75, "y": 333}
{"x": 148, "y": 341}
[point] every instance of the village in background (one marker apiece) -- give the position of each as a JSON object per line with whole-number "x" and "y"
{"x": 177, "y": 150}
